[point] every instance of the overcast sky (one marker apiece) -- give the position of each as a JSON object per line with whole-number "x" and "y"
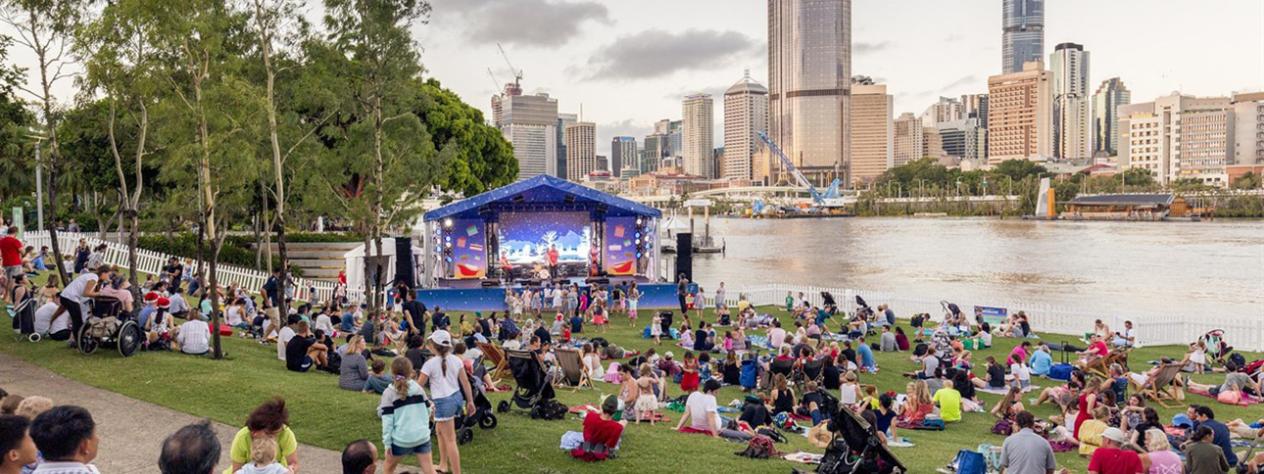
{"x": 629, "y": 62}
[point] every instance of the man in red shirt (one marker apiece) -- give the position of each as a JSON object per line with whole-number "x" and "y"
{"x": 601, "y": 432}
{"x": 553, "y": 262}
{"x": 11, "y": 255}
{"x": 1109, "y": 459}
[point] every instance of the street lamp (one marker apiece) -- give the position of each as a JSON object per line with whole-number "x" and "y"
{"x": 39, "y": 179}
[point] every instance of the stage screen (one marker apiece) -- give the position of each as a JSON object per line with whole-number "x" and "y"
{"x": 620, "y": 242}
{"x": 526, "y": 237}
{"x": 468, "y": 239}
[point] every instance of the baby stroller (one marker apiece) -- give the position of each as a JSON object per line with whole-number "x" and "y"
{"x": 1217, "y": 349}
{"x": 107, "y": 325}
{"x": 856, "y": 448}
{"x": 24, "y": 320}
{"x": 482, "y": 416}
{"x": 534, "y": 391}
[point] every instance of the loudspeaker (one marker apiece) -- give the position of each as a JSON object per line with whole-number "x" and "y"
{"x": 684, "y": 255}
{"x": 404, "y": 262}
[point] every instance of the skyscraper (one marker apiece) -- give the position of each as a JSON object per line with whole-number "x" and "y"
{"x": 653, "y": 149}
{"x": 963, "y": 139}
{"x": 871, "y": 132}
{"x": 562, "y": 121}
{"x": 529, "y": 122}
{"x": 1023, "y": 33}
{"x": 745, "y": 114}
{"x": 1178, "y": 137}
{"x": 946, "y": 109}
{"x": 1248, "y": 124}
{"x": 1019, "y": 115}
{"x": 581, "y": 150}
{"x": 1110, "y": 95}
{"x": 698, "y": 135}
{"x": 623, "y": 155}
{"x": 809, "y": 84}
{"x": 1072, "y": 123}
{"x": 906, "y": 141}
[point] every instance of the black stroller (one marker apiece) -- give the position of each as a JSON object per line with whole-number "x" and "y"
{"x": 534, "y": 391}
{"x": 482, "y": 416}
{"x": 856, "y": 448}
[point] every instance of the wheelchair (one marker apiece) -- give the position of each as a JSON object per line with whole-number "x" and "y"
{"x": 106, "y": 325}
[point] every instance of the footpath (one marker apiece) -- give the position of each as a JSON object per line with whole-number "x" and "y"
{"x": 131, "y": 431}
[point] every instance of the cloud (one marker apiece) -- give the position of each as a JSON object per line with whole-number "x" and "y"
{"x": 657, "y": 53}
{"x": 532, "y": 23}
{"x": 862, "y": 48}
{"x": 963, "y": 81}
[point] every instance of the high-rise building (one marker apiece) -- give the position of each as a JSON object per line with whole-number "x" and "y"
{"x": 1248, "y": 128}
{"x": 581, "y": 150}
{"x": 511, "y": 89}
{"x": 717, "y": 161}
{"x": 933, "y": 144}
{"x": 603, "y": 163}
{"x": 745, "y": 115}
{"x": 906, "y": 139}
{"x": 964, "y": 140}
{"x": 675, "y": 144}
{"x": 975, "y": 106}
{"x": 809, "y": 84}
{"x": 622, "y": 154}
{"x": 872, "y": 132}
{"x": 529, "y": 122}
{"x": 698, "y": 135}
{"x": 1023, "y": 33}
{"x": 946, "y": 109}
{"x": 1106, "y": 101}
{"x": 1178, "y": 137}
{"x": 1019, "y": 116}
{"x": 653, "y": 150}
{"x": 563, "y": 120}
{"x": 1072, "y": 121}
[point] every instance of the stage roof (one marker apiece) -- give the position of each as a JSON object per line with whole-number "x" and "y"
{"x": 542, "y": 193}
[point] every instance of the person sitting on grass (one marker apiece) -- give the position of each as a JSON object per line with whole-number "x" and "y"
{"x": 193, "y": 337}
{"x": 67, "y": 438}
{"x": 701, "y": 411}
{"x": 949, "y": 401}
{"x": 1202, "y": 456}
{"x": 1159, "y": 456}
{"x": 812, "y": 403}
{"x": 354, "y": 370}
{"x": 1234, "y": 381}
{"x": 1091, "y": 431}
{"x": 17, "y": 449}
{"x": 302, "y": 352}
{"x": 378, "y": 380}
{"x": 601, "y": 432}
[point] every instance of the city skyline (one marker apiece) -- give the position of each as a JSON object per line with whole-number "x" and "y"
{"x": 578, "y": 51}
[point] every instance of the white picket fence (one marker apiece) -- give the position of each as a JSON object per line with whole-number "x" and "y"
{"x": 1242, "y": 331}
{"x": 151, "y": 262}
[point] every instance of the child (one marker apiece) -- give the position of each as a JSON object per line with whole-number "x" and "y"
{"x": 1021, "y": 375}
{"x": 405, "y": 424}
{"x": 377, "y": 381}
{"x": 634, "y": 296}
{"x": 728, "y": 341}
{"x": 1196, "y": 359}
{"x": 646, "y": 402}
{"x": 690, "y": 379}
{"x": 704, "y": 366}
{"x": 599, "y": 315}
{"x": 656, "y": 328}
{"x": 263, "y": 458}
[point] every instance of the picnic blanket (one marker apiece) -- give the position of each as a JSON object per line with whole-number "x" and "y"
{"x": 803, "y": 457}
{"x": 1004, "y": 390}
{"x": 1245, "y": 401}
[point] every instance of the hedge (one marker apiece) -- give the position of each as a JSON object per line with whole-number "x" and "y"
{"x": 236, "y": 250}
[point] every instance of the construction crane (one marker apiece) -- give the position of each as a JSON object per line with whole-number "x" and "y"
{"x": 828, "y": 198}
{"x": 517, "y": 73}
{"x": 496, "y": 85}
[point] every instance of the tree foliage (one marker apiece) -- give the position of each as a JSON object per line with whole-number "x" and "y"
{"x": 483, "y": 158}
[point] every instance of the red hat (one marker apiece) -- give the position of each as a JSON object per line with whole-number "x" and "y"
{"x": 164, "y": 303}
{"x": 151, "y": 297}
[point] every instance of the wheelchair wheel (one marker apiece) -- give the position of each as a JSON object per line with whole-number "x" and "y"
{"x": 129, "y": 339}
{"x": 502, "y": 407}
{"x": 34, "y": 337}
{"x": 464, "y": 436}
{"x": 487, "y": 422}
{"x": 87, "y": 344}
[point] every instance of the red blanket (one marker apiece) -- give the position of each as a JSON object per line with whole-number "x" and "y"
{"x": 1245, "y": 401}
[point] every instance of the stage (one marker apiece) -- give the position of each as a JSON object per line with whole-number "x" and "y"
{"x": 539, "y": 231}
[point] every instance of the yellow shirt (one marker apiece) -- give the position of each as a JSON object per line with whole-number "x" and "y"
{"x": 949, "y": 400}
{"x": 240, "y": 450}
{"x": 1091, "y": 436}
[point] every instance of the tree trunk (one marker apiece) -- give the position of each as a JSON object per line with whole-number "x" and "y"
{"x": 369, "y": 276}
{"x": 213, "y": 286}
{"x": 379, "y": 192}
{"x": 278, "y": 165}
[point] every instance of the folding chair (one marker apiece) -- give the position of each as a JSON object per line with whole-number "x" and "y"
{"x": 1161, "y": 386}
{"x": 495, "y": 355}
{"x": 572, "y": 369}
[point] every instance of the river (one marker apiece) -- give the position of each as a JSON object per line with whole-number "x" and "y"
{"x": 1128, "y": 267}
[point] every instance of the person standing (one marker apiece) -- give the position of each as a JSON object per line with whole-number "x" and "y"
{"x": 11, "y": 254}
{"x": 553, "y": 273}
{"x": 1026, "y": 452}
{"x": 78, "y": 292}
{"x": 416, "y": 311}
{"x": 445, "y": 376}
{"x": 682, "y": 289}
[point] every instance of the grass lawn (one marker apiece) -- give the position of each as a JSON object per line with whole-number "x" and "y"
{"x": 322, "y": 415}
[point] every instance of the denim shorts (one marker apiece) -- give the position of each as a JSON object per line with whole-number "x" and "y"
{"x": 447, "y": 407}
{"x": 397, "y": 451}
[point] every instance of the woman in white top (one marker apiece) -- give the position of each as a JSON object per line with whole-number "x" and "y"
{"x": 592, "y": 362}
{"x": 444, "y": 375}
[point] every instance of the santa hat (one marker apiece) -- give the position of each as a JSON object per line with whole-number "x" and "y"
{"x": 164, "y": 303}
{"x": 151, "y": 297}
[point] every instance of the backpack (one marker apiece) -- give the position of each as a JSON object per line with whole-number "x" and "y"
{"x": 772, "y": 434}
{"x": 1061, "y": 372}
{"x": 548, "y": 410}
{"x": 970, "y": 462}
{"x": 1237, "y": 359}
{"x": 760, "y": 447}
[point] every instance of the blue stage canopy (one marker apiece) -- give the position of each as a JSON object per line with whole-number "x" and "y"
{"x": 541, "y": 193}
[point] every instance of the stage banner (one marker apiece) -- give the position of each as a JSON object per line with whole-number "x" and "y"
{"x": 620, "y": 246}
{"x": 468, "y": 238}
{"x": 991, "y": 315}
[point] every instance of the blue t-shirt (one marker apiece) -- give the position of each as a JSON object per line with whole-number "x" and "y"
{"x": 1041, "y": 361}
{"x": 143, "y": 316}
{"x": 1221, "y": 439}
{"x": 866, "y": 355}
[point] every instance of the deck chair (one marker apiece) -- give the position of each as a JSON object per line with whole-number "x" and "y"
{"x": 1101, "y": 366}
{"x": 494, "y": 354}
{"x": 1163, "y": 385}
{"x": 572, "y": 369}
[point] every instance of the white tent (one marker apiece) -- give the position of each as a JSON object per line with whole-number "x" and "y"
{"x": 354, "y": 263}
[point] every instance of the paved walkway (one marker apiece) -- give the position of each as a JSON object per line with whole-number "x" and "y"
{"x": 131, "y": 430}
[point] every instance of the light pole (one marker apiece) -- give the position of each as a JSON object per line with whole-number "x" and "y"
{"x": 39, "y": 180}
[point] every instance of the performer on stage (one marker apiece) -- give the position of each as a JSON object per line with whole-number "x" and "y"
{"x": 506, "y": 268}
{"x": 553, "y": 261}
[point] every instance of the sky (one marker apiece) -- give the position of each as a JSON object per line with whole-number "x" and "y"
{"x": 628, "y": 63}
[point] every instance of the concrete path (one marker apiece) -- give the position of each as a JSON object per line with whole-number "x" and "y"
{"x": 131, "y": 430}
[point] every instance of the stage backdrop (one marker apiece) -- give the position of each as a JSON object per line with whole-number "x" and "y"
{"x": 468, "y": 239}
{"x": 526, "y": 237}
{"x": 653, "y": 297}
{"x": 620, "y": 243}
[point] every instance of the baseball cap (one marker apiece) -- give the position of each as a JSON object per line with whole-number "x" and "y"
{"x": 1114, "y": 434}
{"x": 442, "y": 338}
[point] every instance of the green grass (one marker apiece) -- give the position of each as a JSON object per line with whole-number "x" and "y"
{"x": 324, "y": 416}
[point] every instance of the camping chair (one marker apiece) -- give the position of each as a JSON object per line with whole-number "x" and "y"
{"x": 572, "y": 368}
{"x": 812, "y": 371}
{"x": 494, "y": 354}
{"x": 783, "y": 367}
{"x": 1160, "y": 387}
